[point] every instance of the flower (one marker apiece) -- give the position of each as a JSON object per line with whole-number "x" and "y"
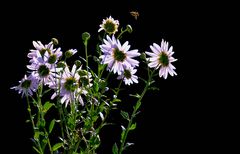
{"x": 53, "y": 56}
{"x": 109, "y": 25}
{"x": 161, "y": 56}
{"x": 71, "y": 86}
{"x": 70, "y": 52}
{"x": 43, "y": 70}
{"x": 27, "y": 86}
{"x": 128, "y": 76}
{"x": 118, "y": 56}
{"x": 108, "y": 44}
{"x": 41, "y": 48}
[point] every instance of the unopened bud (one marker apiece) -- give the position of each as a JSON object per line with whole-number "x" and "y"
{"x": 143, "y": 56}
{"x": 70, "y": 53}
{"x": 129, "y": 28}
{"x": 78, "y": 63}
{"x": 85, "y": 37}
{"x": 61, "y": 64}
{"x": 55, "y": 41}
{"x": 82, "y": 72}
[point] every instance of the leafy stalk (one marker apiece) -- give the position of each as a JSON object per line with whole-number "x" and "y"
{"x": 135, "y": 109}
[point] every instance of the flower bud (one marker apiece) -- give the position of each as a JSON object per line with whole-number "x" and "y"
{"x": 129, "y": 29}
{"x": 70, "y": 53}
{"x": 82, "y": 72}
{"x": 55, "y": 41}
{"x": 61, "y": 64}
{"x": 78, "y": 63}
{"x": 143, "y": 56}
{"x": 85, "y": 37}
{"x": 95, "y": 59}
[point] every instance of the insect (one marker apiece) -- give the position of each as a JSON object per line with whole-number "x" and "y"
{"x": 135, "y": 14}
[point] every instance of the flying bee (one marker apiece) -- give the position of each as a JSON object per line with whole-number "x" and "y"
{"x": 135, "y": 14}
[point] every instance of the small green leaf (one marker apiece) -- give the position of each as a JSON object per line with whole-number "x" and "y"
{"x": 100, "y": 38}
{"x": 27, "y": 121}
{"x": 47, "y": 106}
{"x": 136, "y": 95}
{"x": 125, "y": 115}
{"x": 57, "y": 146}
{"x": 36, "y": 150}
{"x": 145, "y": 81}
{"x": 151, "y": 82}
{"x": 138, "y": 105}
{"x": 115, "y": 149}
{"x": 122, "y": 135}
{"x": 127, "y": 145}
{"x": 41, "y": 123}
{"x": 133, "y": 126}
{"x": 36, "y": 135}
{"x": 116, "y": 100}
{"x": 95, "y": 86}
{"x": 51, "y": 126}
{"x": 153, "y": 88}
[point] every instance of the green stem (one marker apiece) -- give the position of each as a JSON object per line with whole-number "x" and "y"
{"x": 41, "y": 116}
{"x": 60, "y": 108}
{"x": 33, "y": 125}
{"x": 30, "y": 113}
{"x": 108, "y": 109}
{"x": 86, "y": 54}
{"x": 118, "y": 88}
{"x": 48, "y": 141}
{"x": 122, "y": 32}
{"x": 135, "y": 111}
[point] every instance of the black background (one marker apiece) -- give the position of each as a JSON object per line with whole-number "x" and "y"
{"x": 175, "y": 119}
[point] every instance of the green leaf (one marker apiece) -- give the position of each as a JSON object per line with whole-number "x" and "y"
{"x": 133, "y": 126}
{"x": 36, "y": 135}
{"x": 125, "y": 115}
{"x": 41, "y": 123}
{"x": 36, "y": 150}
{"x": 27, "y": 121}
{"x": 127, "y": 145}
{"x": 153, "y": 88}
{"x": 123, "y": 128}
{"x": 51, "y": 126}
{"x": 47, "y": 106}
{"x": 145, "y": 81}
{"x": 151, "y": 82}
{"x": 116, "y": 100}
{"x": 57, "y": 146}
{"x": 95, "y": 86}
{"x": 136, "y": 95}
{"x": 115, "y": 149}
{"x": 122, "y": 135}
{"x": 138, "y": 105}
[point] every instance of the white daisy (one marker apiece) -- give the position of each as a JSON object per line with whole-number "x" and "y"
{"x": 118, "y": 56}
{"x": 41, "y": 48}
{"x": 27, "y": 86}
{"x": 161, "y": 57}
{"x": 107, "y": 47}
{"x": 128, "y": 76}
{"x": 70, "y": 52}
{"x": 45, "y": 72}
{"x": 71, "y": 87}
{"x": 53, "y": 56}
{"x": 109, "y": 25}
{"x": 73, "y": 51}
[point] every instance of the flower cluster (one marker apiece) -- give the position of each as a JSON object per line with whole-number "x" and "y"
{"x": 81, "y": 95}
